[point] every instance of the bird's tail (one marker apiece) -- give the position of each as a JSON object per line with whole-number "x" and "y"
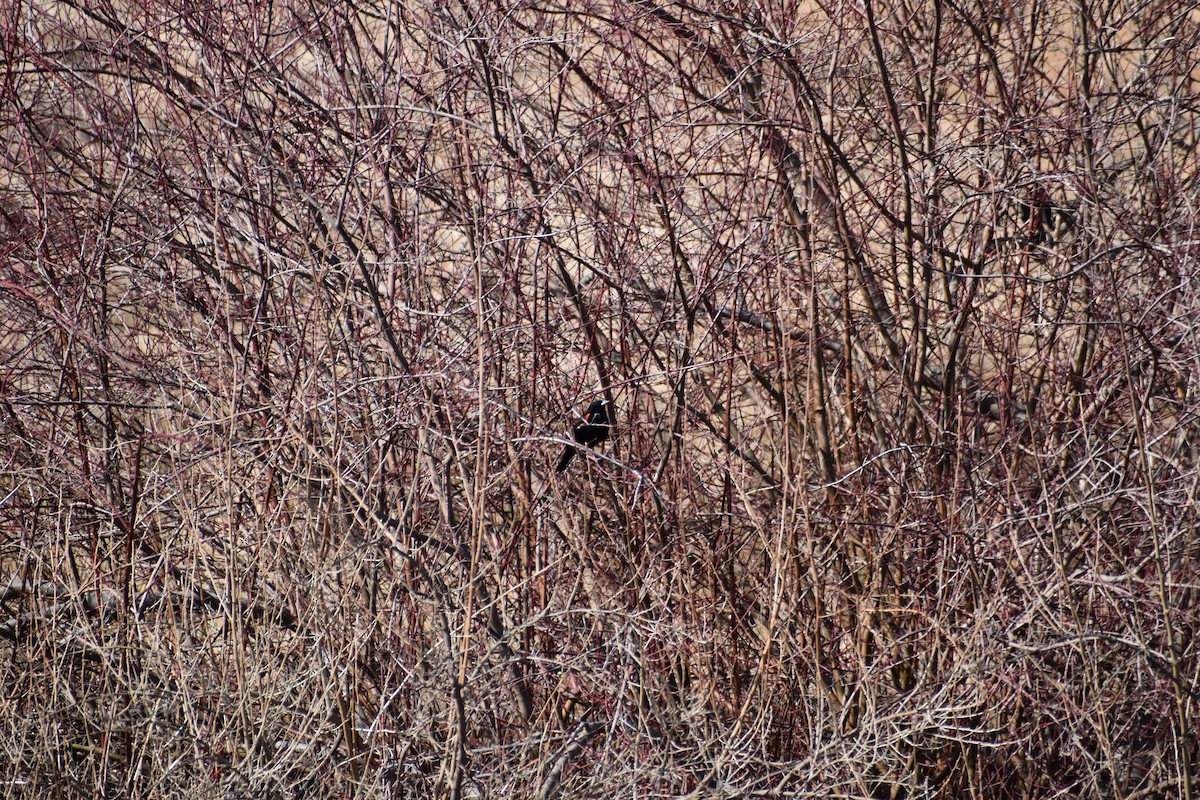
{"x": 565, "y": 461}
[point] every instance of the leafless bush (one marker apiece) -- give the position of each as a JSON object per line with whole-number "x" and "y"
{"x": 895, "y": 304}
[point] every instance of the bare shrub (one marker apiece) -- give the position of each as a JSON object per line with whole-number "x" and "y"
{"x": 894, "y": 302}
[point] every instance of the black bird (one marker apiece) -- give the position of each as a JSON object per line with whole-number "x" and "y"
{"x": 591, "y": 429}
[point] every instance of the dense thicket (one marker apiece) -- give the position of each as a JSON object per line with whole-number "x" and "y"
{"x": 895, "y": 302}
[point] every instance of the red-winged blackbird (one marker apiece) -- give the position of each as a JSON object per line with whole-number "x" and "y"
{"x": 591, "y": 429}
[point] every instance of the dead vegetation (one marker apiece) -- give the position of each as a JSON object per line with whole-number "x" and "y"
{"x": 895, "y": 303}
